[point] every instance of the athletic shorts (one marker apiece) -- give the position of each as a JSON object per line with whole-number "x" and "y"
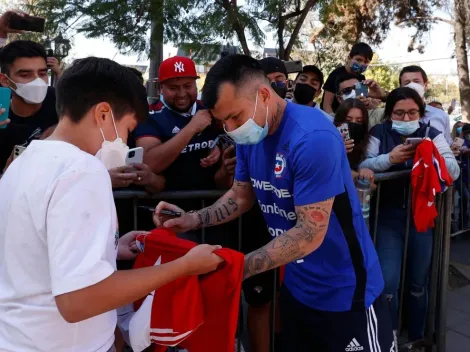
{"x": 307, "y": 329}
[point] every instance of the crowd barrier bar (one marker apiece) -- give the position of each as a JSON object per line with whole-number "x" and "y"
{"x": 435, "y": 328}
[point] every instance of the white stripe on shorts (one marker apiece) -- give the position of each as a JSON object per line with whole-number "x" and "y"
{"x": 372, "y": 330}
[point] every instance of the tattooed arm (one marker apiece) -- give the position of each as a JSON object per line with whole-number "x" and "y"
{"x": 238, "y": 200}
{"x": 296, "y": 243}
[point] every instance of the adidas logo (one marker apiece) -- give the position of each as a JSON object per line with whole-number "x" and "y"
{"x": 354, "y": 346}
{"x": 175, "y": 130}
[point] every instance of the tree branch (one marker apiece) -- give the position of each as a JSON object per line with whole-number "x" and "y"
{"x": 427, "y": 18}
{"x": 298, "y": 26}
{"x": 293, "y": 14}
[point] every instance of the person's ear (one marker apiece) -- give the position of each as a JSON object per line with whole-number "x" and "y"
{"x": 102, "y": 112}
{"x": 264, "y": 93}
{"x": 5, "y": 82}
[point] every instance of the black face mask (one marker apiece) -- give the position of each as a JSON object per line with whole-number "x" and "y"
{"x": 356, "y": 132}
{"x": 304, "y": 93}
{"x": 280, "y": 88}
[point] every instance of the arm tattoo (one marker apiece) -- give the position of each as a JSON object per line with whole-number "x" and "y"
{"x": 301, "y": 240}
{"x": 222, "y": 209}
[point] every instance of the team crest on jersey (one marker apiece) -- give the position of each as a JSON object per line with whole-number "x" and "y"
{"x": 280, "y": 165}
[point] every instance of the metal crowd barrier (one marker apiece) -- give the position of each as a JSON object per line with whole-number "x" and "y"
{"x": 435, "y": 331}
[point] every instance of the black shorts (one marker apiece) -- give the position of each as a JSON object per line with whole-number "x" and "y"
{"x": 307, "y": 329}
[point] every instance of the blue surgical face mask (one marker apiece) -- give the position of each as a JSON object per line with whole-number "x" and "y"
{"x": 191, "y": 112}
{"x": 405, "y": 128}
{"x": 358, "y": 68}
{"x": 459, "y": 130}
{"x": 250, "y": 132}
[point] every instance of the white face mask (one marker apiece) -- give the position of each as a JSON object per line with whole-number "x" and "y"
{"x": 250, "y": 132}
{"x": 112, "y": 154}
{"x": 416, "y": 87}
{"x": 351, "y": 95}
{"x": 33, "y": 92}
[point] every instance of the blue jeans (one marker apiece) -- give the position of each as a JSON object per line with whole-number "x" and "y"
{"x": 390, "y": 245}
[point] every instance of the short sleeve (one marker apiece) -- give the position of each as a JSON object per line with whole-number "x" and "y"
{"x": 150, "y": 128}
{"x": 317, "y": 163}
{"x": 242, "y": 173}
{"x": 330, "y": 83}
{"x": 81, "y": 228}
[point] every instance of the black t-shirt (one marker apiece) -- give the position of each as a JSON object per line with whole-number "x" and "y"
{"x": 20, "y": 129}
{"x": 330, "y": 85}
{"x": 186, "y": 172}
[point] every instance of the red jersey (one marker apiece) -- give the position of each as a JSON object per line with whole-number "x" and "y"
{"x": 428, "y": 177}
{"x": 199, "y": 313}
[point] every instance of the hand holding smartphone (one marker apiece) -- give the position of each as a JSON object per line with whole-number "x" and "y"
{"x": 26, "y": 22}
{"x": 344, "y": 129}
{"x": 458, "y": 143}
{"x": 361, "y": 90}
{"x": 413, "y": 141}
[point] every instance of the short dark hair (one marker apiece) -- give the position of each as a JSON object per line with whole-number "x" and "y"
{"x": 362, "y": 49}
{"x": 137, "y": 73}
{"x": 234, "y": 69}
{"x": 399, "y": 94}
{"x": 94, "y": 80}
{"x": 414, "y": 68}
{"x": 19, "y": 49}
{"x": 359, "y": 151}
{"x": 345, "y": 76}
{"x": 313, "y": 69}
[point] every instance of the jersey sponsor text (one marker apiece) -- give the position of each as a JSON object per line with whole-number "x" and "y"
{"x": 267, "y": 186}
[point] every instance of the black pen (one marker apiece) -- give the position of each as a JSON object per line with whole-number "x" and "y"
{"x": 162, "y": 212}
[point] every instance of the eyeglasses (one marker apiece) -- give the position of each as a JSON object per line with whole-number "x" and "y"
{"x": 346, "y": 91}
{"x": 412, "y": 114}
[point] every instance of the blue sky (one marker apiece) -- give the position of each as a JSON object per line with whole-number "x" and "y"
{"x": 438, "y": 45}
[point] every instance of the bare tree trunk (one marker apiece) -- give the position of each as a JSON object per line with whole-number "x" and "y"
{"x": 462, "y": 57}
{"x": 232, "y": 13}
{"x": 296, "y": 31}
{"x": 156, "y": 47}
{"x": 280, "y": 33}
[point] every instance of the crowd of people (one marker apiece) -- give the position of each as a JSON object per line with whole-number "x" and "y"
{"x": 280, "y": 154}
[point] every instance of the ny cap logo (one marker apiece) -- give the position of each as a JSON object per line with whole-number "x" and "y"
{"x": 179, "y": 66}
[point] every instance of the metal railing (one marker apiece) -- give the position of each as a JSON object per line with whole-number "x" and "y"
{"x": 435, "y": 331}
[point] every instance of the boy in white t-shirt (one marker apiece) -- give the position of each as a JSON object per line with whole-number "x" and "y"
{"x": 59, "y": 287}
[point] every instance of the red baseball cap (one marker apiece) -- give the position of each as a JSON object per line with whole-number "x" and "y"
{"x": 177, "y": 66}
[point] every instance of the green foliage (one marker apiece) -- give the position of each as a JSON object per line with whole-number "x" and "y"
{"x": 387, "y": 76}
{"x": 442, "y": 90}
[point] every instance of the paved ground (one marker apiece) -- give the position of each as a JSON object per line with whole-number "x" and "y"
{"x": 458, "y": 311}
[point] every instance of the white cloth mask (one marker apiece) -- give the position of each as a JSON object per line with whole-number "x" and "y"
{"x": 112, "y": 154}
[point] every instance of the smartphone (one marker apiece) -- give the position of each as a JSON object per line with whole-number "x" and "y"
{"x": 226, "y": 141}
{"x": 26, "y": 23}
{"x": 18, "y": 150}
{"x": 5, "y": 99}
{"x": 214, "y": 144}
{"x": 135, "y": 156}
{"x": 458, "y": 143}
{"x": 453, "y": 103}
{"x": 413, "y": 141}
{"x": 344, "y": 128}
{"x": 361, "y": 90}
{"x": 293, "y": 66}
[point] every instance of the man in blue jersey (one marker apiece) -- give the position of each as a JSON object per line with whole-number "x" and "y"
{"x": 291, "y": 160}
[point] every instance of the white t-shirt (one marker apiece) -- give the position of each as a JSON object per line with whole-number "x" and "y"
{"x": 58, "y": 234}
